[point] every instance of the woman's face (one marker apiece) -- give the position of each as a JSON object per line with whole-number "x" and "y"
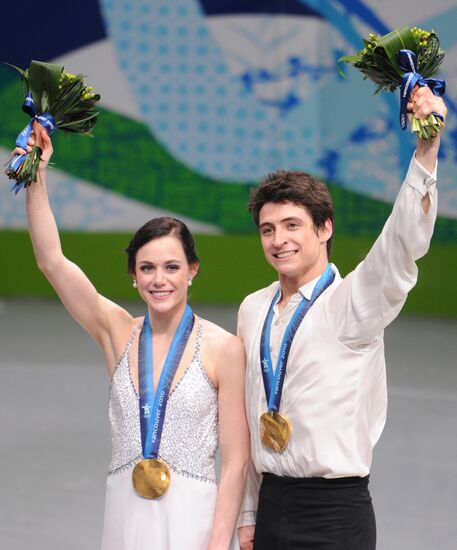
{"x": 162, "y": 274}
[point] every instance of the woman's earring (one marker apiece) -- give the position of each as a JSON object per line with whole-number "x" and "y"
{"x": 189, "y": 283}
{"x": 134, "y": 284}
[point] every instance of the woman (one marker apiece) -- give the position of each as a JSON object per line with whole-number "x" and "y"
{"x": 161, "y": 490}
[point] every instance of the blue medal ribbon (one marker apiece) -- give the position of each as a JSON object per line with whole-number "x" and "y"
{"x": 408, "y": 63}
{"x": 153, "y": 404}
{"x": 45, "y": 119}
{"x": 274, "y": 381}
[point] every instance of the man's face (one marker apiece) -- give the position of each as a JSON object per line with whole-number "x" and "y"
{"x": 291, "y": 242}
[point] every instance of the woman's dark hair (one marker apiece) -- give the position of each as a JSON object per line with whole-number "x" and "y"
{"x": 161, "y": 227}
{"x": 299, "y": 188}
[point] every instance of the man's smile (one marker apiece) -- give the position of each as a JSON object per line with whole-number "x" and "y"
{"x": 285, "y": 254}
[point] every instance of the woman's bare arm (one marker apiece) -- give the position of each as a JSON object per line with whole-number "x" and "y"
{"x": 99, "y": 316}
{"x": 233, "y": 439}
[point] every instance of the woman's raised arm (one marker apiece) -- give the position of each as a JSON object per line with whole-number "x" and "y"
{"x": 99, "y": 316}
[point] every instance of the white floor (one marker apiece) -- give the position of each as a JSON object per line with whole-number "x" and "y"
{"x": 54, "y": 444}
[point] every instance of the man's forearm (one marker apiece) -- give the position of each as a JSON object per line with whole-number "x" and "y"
{"x": 427, "y": 153}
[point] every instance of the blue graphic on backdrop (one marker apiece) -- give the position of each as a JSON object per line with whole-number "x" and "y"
{"x": 235, "y": 89}
{"x": 63, "y": 27}
{"x": 225, "y": 7}
{"x": 253, "y": 79}
{"x": 231, "y": 98}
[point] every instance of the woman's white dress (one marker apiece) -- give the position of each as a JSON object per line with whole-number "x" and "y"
{"x": 182, "y": 519}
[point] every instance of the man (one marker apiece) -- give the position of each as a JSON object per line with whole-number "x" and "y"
{"x": 316, "y": 383}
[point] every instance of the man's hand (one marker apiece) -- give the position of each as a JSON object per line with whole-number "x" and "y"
{"x": 246, "y": 537}
{"x": 423, "y": 102}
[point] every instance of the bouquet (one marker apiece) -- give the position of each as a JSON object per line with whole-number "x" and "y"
{"x": 56, "y": 100}
{"x": 404, "y": 58}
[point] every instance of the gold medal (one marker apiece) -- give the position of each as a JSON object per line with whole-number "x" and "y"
{"x": 275, "y": 431}
{"x": 151, "y": 478}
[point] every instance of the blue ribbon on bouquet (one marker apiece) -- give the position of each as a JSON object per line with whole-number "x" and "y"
{"x": 408, "y": 63}
{"x": 45, "y": 119}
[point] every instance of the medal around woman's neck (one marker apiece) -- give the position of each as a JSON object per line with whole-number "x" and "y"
{"x": 151, "y": 477}
{"x": 275, "y": 428}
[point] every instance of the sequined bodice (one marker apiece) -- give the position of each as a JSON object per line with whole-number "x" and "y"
{"x": 189, "y": 437}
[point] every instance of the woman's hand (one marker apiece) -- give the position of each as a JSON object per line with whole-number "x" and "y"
{"x": 246, "y": 537}
{"x": 40, "y": 138}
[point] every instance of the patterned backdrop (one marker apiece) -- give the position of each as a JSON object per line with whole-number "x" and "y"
{"x": 202, "y": 98}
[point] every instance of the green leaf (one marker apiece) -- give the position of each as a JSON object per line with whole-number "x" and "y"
{"x": 44, "y": 77}
{"x": 24, "y": 76}
{"x": 18, "y": 69}
{"x": 344, "y": 59}
{"x": 78, "y": 121}
{"x": 430, "y": 57}
{"x": 399, "y": 39}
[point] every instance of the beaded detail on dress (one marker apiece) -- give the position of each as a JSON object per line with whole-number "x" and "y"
{"x": 189, "y": 438}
